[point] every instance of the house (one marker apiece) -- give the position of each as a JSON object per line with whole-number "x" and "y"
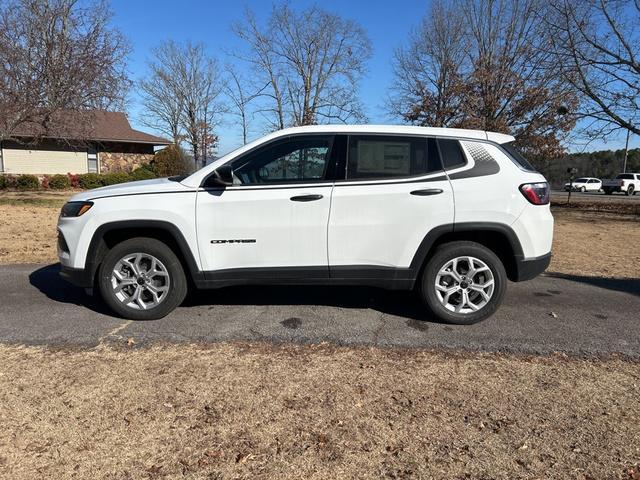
{"x": 78, "y": 142}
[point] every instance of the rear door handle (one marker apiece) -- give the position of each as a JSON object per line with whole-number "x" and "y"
{"x": 306, "y": 198}
{"x": 427, "y": 191}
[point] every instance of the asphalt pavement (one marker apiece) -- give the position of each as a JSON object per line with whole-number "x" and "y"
{"x": 561, "y": 196}
{"x": 576, "y": 315}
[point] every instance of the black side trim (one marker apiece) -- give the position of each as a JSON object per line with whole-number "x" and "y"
{"x": 493, "y": 227}
{"x": 264, "y": 276}
{"x": 97, "y": 247}
{"x": 372, "y": 276}
{"x": 532, "y": 267}
{"x": 362, "y": 275}
{"x": 80, "y": 277}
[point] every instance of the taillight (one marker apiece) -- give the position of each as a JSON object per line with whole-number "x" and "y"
{"x": 622, "y": 183}
{"x": 536, "y": 193}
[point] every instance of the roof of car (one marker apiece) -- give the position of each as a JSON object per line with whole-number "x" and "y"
{"x": 399, "y": 129}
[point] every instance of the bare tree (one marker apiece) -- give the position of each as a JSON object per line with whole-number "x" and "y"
{"x": 597, "y": 44}
{"x": 238, "y": 89}
{"x": 182, "y": 96}
{"x": 57, "y": 55}
{"x": 312, "y": 61}
{"x": 429, "y": 87}
{"x": 162, "y": 106}
{"x": 486, "y": 64}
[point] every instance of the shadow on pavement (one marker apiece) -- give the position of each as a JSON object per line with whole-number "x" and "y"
{"x": 398, "y": 303}
{"x": 626, "y": 285}
{"x": 48, "y": 281}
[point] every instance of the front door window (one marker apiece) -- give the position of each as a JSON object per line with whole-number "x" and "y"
{"x": 298, "y": 159}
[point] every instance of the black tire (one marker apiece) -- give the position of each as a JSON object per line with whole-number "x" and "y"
{"x": 441, "y": 256}
{"x": 150, "y": 246}
{"x": 607, "y": 191}
{"x": 630, "y": 190}
{"x": 583, "y": 189}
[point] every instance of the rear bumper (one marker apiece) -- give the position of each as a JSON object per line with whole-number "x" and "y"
{"x": 79, "y": 277}
{"x": 531, "y": 267}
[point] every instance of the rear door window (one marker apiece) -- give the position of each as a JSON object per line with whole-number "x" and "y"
{"x": 377, "y": 156}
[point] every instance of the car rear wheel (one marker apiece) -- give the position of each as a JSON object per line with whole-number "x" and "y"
{"x": 142, "y": 279}
{"x": 463, "y": 283}
{"x": 583, "y": 189}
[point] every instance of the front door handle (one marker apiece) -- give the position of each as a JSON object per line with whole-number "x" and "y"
{"x": 427, "y": 191}
{"x": 306, "y": 198}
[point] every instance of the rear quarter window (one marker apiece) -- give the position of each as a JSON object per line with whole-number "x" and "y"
{"x": 516, "y": 157}
{"x": 451, "y": 153}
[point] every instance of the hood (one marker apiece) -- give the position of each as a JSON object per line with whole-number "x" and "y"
{"x": 156, "y": 185}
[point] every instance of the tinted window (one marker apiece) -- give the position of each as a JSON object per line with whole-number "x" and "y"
{"x": 297, "y": 159}
{"x": 517, "y": 157}
{"x": 372, "y": 156}
{"x": 625, "y": 176}
{"x": 451, "y": 153}
{"x": 581, "y": 180}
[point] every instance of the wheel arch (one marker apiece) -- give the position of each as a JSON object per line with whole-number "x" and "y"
{"x": 497, "y": 237}
{"x": 110, "y": 234}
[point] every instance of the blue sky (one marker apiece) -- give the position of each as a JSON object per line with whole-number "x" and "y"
{"x": 147, "y": 24}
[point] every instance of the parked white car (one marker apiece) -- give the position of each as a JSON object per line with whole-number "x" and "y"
{"x": 454, "y": 213}
{"x": 584, "y": 184}
{"x": 628, "y": 183}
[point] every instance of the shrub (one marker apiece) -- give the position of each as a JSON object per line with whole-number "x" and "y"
{"x": 74, "y": 180}
{"x": 4, "y": 182}
{"x": 27, "y": 182}
{"x": 170, "y": 161}
{"x": 142, "y": 173}
{"x": 59, "y": 182}
{"x": 90, "y": 180}
{"x": 115, "y": 177}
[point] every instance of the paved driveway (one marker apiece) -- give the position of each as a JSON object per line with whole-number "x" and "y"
{"x": 592, "y": 317}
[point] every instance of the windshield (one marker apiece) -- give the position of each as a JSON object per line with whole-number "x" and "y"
{"x": 517, "y": 157}
{"x": 581, "y": 180}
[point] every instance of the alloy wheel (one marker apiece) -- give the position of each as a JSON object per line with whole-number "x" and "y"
{"x": 464, "y": 285}
{"x": 140, "y": 281}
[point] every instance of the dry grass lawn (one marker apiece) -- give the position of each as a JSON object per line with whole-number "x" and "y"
{"x": 596, "y": 245}
{"x": 284, "y": 412}
{"x": 259, "y": 411}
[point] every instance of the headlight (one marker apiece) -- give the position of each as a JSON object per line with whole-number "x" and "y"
{"x": 75, "y": 209}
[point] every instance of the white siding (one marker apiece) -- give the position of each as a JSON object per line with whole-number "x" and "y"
{"x": 18, "y": 160}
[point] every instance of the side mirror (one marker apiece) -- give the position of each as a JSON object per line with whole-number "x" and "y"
{"x": 222, "y": 176}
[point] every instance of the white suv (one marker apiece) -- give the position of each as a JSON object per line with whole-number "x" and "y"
{"x": 451, "y": 213}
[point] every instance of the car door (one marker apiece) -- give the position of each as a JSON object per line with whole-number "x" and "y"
{"x": 393, "y": 194}
{"x": 274, "y": 216}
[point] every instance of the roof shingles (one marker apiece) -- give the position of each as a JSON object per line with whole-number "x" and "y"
{"x": 91, "y": 125}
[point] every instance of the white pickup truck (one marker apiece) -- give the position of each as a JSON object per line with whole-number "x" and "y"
{"x": 629, "y": 183}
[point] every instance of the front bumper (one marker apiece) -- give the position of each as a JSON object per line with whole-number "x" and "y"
{"x": 80, "y": 277}
{"x": 531, "y": 267}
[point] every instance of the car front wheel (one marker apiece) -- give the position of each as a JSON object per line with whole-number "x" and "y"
{"x": 142, "y": 279}
{"x": 463, "y": 283}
